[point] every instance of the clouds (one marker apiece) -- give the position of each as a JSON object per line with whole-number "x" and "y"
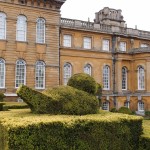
{"x": 134, "y": 12}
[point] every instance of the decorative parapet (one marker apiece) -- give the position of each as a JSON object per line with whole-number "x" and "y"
{"x": 47, "y": 4}
{"x": 86, "y": 25}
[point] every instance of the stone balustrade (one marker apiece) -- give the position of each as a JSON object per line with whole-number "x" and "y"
{"x": 104, "y": 28}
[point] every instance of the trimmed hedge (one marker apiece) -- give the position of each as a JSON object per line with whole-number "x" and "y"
{"x": 2, "y": 96}
{"x": 73, "y": 101}
{"x": 16, "y": 105}
{"x": 145, "y": 138}
{"x": 22, "y": 130}
{"x": 83, "y": 82}
{"x": 125, "y": 110}
{"x": 60, "y": 100}
{"x": 1, "y": 106}
{"x": 37, "y": 102}
{"x": 144, "y": 143}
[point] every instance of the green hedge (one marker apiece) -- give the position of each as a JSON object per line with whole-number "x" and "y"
{"x": 83, "y": 82}
{"x": 144, "y": 143}
{"x": 37, "y": 102}
{"x": 73, "y": 101}
{"x": 60, "y": 100}
{"x": 145, "y": 138}
{"x": 21, "y": 130}
{"x": 16, "y": 105}
{"x": 125, "y": 110}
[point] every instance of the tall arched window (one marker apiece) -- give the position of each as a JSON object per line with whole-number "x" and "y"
{"x": 106, "y": 77}
{"x": 40, "y": 75}
{"x": 2, "y": 73}
{"x": 21, "y": 28}
{"x": 40, "y": 30}
{"x": 20, "y": 73}
{"x": 67, "y": 72}
{"x": 88, "y": 69}
{"x": 2, "y": 26}
{"x": 124, "y": 78}
{"x": 141, "y": 78}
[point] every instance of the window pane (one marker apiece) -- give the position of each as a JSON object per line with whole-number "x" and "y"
{"x": 40, "y": 75}
{"x": 122, "y": 46}
{"x": 140, "y": 106}
{"x": 88, "y": 69}
{"x": 141, "y": 78}
{"x": 124, "y": 78}
{"x": 2, "y": 26}
{"x": 21, "y": 28}
{"x": 40, "y": 31}
{"x": 106, "y": 45}
{"x": 87, "y": 43}
{"x": 20, "y": 72}
{"x": 67, "y": 72}
{"x": 106, "y": 78}
{"x": 67, "y": 40}
{"x": 105, "y": 106}
{"x": 144, "y": 45}
{"x": 2, "y": 73}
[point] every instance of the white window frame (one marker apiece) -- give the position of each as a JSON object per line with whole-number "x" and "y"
{"x": 144, "y": 45}
{"x": 2, "y": 26}
{"x": 123, "y": 46}
{"x": 40, "y": 32}
{"x": 106, "y": 45}
{"x": 2, "y": 73}
{"x": 18, "y": 75}
{"x": 105, "y": 106}
{"x": 40, "y": 75}
{"x": 106, "y": 77}
{"x": 141, "y": 78}
{"x": 124, "y": 78}
{"x": 141, "y": 106}
{"x": 87, "y": 42}
{"x": 88, "y": 69}
{"x": 67, "y": 72}
{"x": 67, "y": 40}
{"x": 127, "y": 104}
{"x": 21, "y": 28}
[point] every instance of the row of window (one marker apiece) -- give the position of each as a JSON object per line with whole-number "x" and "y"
{"x": 87, "y": 43}
{"x": 20, "y": 77}
{"x": 105, "y": 105}
{"x": 106, "y": 76}
{"x": 21, "y": 28}
{"x": 20, "y": 74}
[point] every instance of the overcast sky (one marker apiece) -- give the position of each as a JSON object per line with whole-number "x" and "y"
{"x": 135, "y": 12}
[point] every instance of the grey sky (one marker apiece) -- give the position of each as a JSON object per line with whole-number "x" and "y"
{"x": 135, "y": 12}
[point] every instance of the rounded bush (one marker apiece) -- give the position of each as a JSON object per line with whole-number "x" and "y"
{"x": 113, "y": 110}
{"x": 2, "y": 96}
{"x": 69, "y": 100}
{"x": 83, "y": 82}
{"x": 124, "y": 110}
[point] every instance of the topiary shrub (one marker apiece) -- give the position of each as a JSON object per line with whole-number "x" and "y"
{"x": 83, "y": 82}
{"x": 147, "y": 113}
{"x": 60, "y": 100}
{"x": 113, "y": 110}
{"x": 2, "y": 96}
{"x": 124, "y": 110}
{"x": 73, "y": 101}
{"x": 37, "y": 102}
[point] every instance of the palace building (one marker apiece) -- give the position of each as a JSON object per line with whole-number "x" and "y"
{"x": 40, "y": 49}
